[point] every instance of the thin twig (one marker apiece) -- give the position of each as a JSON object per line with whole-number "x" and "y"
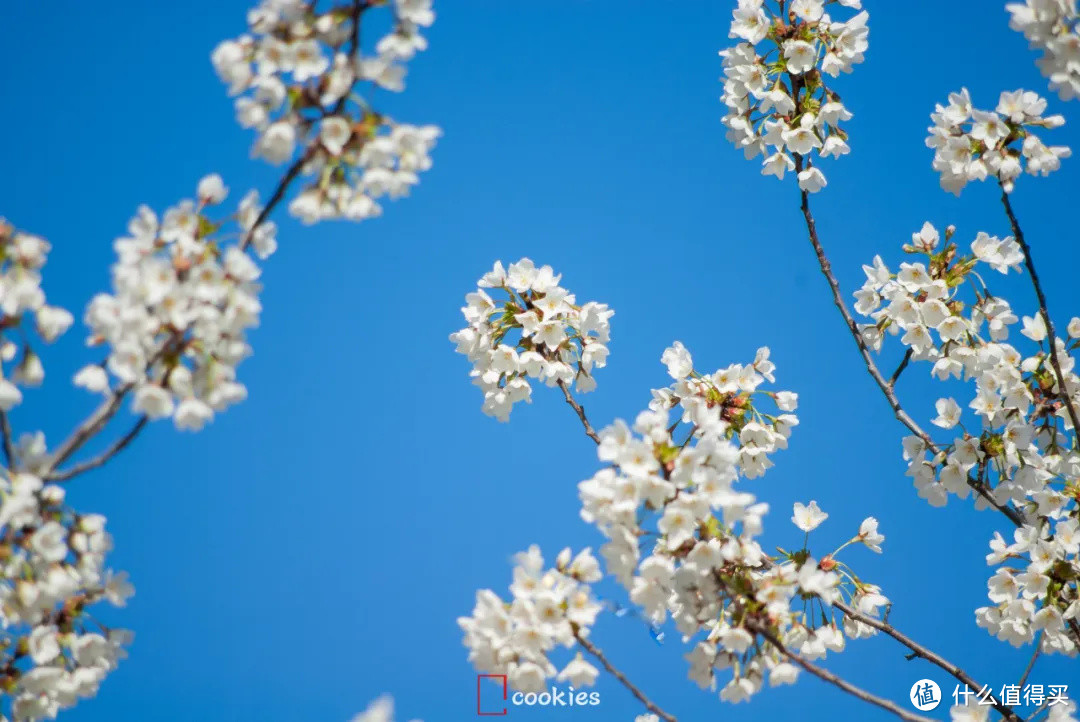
{"x": 868, "y": 360}
{"x": 279, "y": 194}
{"x": 1031, "y": 662}
{"x": 826, "y": 675}
{"x": 118, "y": 446}
{"x": 900, "y": 369}
{"x": 580, "y": 412}
{"x": 1029, "y": 263}
{"x": 1036, "y": 713}
{"x": 9, "y": 449}
{"x": 87, "y": 429}
{"x": 358, "y": 8}
{"x": 920, "y": 651}
{"x": 649, "y": 704}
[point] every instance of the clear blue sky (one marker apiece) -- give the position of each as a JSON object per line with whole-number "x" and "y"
{"x": 313, "y": 547}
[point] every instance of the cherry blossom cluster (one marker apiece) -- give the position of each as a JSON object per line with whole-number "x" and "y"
{"x": 779, "y": 105}
{"x": 535, "y": 330}
{"x": 1052, "y": 26}
{"x": 971, "y": 144}
{"x": 297, "y": 74}
{"x": 1015, "y": 448}
{"x": 549, "y": 608}
{"x": 920, "y": 302}
{"x": 183, "y": 298}
{"x": 22, "y": 256}
{"x": 705, "y": 569}
{"x": 52, "y": 572}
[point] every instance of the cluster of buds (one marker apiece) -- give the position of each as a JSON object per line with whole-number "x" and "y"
{"x": 22, "y": 256}
{"x": 52, "y": 651}
{"x": 183, "y": 299}
{"x": 971, "y": 144}
{"x": 537, "y": 331}
{"x": 550, "y": 608}
{"x": 1052, "y": 26}
{"x": 298, "y": 75}
{"x": 779, "y": 105}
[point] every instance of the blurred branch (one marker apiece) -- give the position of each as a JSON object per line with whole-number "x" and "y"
{"x": 1031, "y": 662}
{"x": 88, "y": 429}
{"x": 9, "y": 449}
{"x": 117, "y": 446}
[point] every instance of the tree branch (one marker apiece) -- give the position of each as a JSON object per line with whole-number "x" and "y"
{"x": 278, "y": 194}
{"x": 900, "y": 369}
{"x": 864, "y": 351}
{"x": 1030, "y": 265}
{"x": 358, "y": 8}
{"x": 920, "y": 651}
{"x": 649, "y": 704}
{"x": 104, "y": 413}
{"x": 831, "y": 678}
{"x": 580, "y": 412}
{"x": 87, "y": 429}
{"x": 117, "y": 446}
{"x": 9, "y": 449}
{"x": 1031, "y": 662}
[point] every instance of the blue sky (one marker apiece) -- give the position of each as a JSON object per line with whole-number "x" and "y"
{"x": 314, "y": 546}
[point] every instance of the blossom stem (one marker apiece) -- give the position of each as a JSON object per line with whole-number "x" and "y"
{"x": 864, "y": 351}
{"x": 117, "y": 446}
{"x": 1018, "y": 233}
{"x": 589, "y": 431}
{"x": 827, "y": 676}
{"x": 649, "y": 704}
{"x": 920, "y": 651}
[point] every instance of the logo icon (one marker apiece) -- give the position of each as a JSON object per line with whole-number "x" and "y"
{"x": 499, "y": 678}
{"x": 925, "y": 695}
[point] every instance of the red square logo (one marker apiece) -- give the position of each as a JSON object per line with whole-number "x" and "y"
{"x": 489, "y": 709}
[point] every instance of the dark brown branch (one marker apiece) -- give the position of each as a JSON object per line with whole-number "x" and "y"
{"x": 838, "y": 301}
{"x": 279, "y": 194}
{"x": 900, "y": 369}
{"x": 108, "y": 408}
{"x": 87, "y": 429}
{"x": 580, "y": 412}
{"x": 920, "y": 651}
{"x": 117, "y": 446}
{"x": 868, "y": 360}
{"x": 1029, "y": 263}
{"x": 9, "y": 449}
{"x": 827, "y": 676}
{"x": 358, "y": 8}
{"x": 649, "y": 704}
